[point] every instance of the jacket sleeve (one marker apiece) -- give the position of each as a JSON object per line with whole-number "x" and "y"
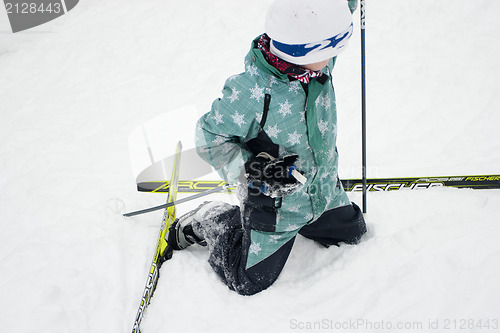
{"x": 222, "y": 132}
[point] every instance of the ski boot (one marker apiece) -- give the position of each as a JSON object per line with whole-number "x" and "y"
{"x": 181, "y": 233}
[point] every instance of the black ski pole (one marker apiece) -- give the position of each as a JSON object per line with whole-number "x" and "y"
{"x": 363, "y": 101}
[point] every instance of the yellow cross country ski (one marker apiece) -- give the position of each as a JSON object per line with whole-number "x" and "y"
{"x": 162, "y": 252}
{"x": 476, "y": 182}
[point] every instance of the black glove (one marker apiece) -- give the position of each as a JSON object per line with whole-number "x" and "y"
{"x": 273, "y": 176}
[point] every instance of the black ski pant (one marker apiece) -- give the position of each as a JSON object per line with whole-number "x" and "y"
{"x": 228, "y": 239}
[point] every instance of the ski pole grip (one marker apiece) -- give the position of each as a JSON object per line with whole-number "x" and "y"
{"x": 292, "y": 171}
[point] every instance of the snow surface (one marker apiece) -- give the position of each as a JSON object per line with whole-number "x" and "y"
{"x": 73, "y": 90}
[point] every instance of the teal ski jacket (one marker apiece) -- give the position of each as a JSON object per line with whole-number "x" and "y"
{"x": 300, "y": 120}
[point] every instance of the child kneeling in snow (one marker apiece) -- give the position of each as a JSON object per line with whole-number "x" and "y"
{"x": 277, "y": 116}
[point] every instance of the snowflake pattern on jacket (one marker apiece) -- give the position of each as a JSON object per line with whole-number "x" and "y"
{"x": 299, "y": 122}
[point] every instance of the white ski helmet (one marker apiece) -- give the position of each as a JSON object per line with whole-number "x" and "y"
{"x": 308, "y": 31}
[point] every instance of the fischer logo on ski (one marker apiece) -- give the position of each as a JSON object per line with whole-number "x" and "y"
{"x": 396, "y": 184}
{"x": 483, "y": 178}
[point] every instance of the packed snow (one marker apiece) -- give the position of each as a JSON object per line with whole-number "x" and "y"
{"x": 73, "y": 90}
